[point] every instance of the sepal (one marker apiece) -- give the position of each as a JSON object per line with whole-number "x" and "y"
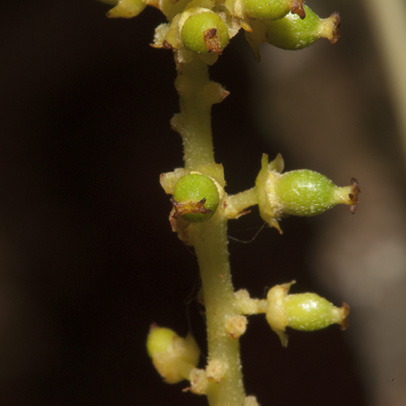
{"x": 269, "y": 209}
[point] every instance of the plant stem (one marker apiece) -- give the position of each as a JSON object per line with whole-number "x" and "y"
{"x": 239, "y": 203}
{"x": 194, "y": 121}
{"x": 197, "y": 95}
{"x": 212, "y": 253}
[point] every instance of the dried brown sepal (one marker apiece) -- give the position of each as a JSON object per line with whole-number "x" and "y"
{"x": 177, "y": 223}
{"x": 346, "y": 312}
{"x": 335, "y": 35}
{"x": 355, "y": 191}
{"x": 224, "y": 94}
{"x": 180, "y": 227}
{"x": 242, "y": 213}
{"x": 189, "y": 207}
{"x": 297, "y": 7}
{"x": 166, "y": 45}
{"x": 212, "y": 41}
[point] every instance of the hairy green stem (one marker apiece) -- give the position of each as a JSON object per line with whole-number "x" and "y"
{"x": 212, "y": 253}
{"x": 197, "y": 95}
{"x": 239, "y": 203}
{"x": 193, "y": 122}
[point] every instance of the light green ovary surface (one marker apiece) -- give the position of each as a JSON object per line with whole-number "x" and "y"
{"x": 196, "y": 25}
{"x": 308, "y": 311}
{"x": 194, "y": 188}
{"x": 266, "y": 9}
{"x": 291, "y": 32}
{"x": 305, "y": 193}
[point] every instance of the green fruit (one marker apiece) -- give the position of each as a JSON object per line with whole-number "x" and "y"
{"x": 298, "y": 193}
{"x": 204, "y": 33}
{"x": 310, "y": 312}
{"x": 195, "y": 197}
{"x": 301, "y": 311}
{"x": 271, "y": 9}
{"x": 304, "y": 193}
{"x": 292, "y": 32}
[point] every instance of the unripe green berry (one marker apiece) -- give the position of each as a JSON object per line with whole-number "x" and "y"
{"x": 304, "y": 193}
{"x": 299, "y": 193}
{"x": 308, "y": 193}
{"x": 302, "y": 311}
{"x": 292, "y": 32}
{"x": 196, "y": 197}
{"x": 272, "y": 9}
{"x": 310, "y": 312}
{"x": 205, "y": 32}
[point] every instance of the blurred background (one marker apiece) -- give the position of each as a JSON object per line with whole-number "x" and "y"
{"x": 87, "y": 257}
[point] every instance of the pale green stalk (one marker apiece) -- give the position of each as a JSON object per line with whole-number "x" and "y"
{"x": 194, "y": 121}
{"x": 210, "y": 238}
{"x": 212, "y": 253}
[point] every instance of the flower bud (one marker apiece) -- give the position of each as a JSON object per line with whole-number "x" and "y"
{"x": 292, "y": 32}
{"x": 126, "y": 8}
{"x": 299, "y": 193}
{"x": 195, "y": 197}
{"x": 272, "y": 9}
{"x": 173, "y": 357}
{"x": 302, "y": 311}
{"x": 205, "y": 32}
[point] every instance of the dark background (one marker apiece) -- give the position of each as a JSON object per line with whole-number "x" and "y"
{"x": 88, "y": 260}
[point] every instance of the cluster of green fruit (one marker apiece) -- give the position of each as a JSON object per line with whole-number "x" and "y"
{"x": 176, "y": 358}
{"x": 298, "y": 193}
{"x": 206, "y": 26}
